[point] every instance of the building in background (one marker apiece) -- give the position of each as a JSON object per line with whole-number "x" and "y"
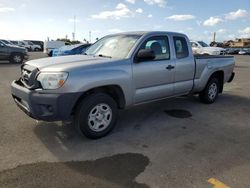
{"x": 238, "y": 43}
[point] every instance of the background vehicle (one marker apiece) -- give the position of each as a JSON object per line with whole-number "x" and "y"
{"x": 71, "y": 50}
{"x": 117, "y": 72}
{"x": 31, "y": 46}
{"x": 233, "y": 51}
{"x": 14, "y": 42}
{"x": 200, "y": 47}
{"x": 49, "y": 46}
{"x": 6, "y": 42}
{"x": 21, "y": 44}
{"x": 244, "y": 51}
{"x": 12, "y": 53}
{"x": 37, "y": 42}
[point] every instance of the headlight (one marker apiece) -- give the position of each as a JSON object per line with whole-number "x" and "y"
{"x": 53, "y": 80}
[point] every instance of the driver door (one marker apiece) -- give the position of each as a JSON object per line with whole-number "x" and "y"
{"x": 154, "y": 79}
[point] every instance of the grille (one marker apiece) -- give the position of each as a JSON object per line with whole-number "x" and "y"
{"x": 28, "y": 76}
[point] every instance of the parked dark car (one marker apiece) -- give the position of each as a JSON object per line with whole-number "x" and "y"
{"x": 233, "y": 51}
{"x": 71, "y": 50}
{"x": 14, "y": 42}
{"x": 12, "y": 53}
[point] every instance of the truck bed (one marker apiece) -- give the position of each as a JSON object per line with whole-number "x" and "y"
{"x": 199, "y": 56}
{"x": 207, "y": 64}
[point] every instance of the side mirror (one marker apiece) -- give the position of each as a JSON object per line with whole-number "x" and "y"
{"x": 145, "y": 55}
{"x": 2, "y": 45}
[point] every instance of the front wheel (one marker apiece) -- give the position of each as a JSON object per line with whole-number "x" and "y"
{"x": 211, "y": 91}
{"x": 96, "y": 115}
{"x": 16, "y": 58}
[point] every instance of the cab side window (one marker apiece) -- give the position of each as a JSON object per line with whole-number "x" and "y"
{"x": 160, "y": 46}
{"x": 181, "y": 47}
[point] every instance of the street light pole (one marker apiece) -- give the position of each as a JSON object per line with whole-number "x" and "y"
{"x": 74, "y": 34}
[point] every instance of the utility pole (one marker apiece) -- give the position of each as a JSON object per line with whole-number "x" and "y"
{"x": 214, "y": 37}
{"x": 74, "y": 33}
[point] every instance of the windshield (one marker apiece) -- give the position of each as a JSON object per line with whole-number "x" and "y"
{"x": 203, "y": 44}
{"x": 117, "y": 46}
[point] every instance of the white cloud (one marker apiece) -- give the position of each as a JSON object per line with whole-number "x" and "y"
{"x": 115, "y": 30}
{"x": 121, "y": 11}
{"x": 236, "y": 15}
{"x": 222, "y": 31}
{"x": 245, "y": 33}
{"x": 160, "y": 3}
{"x": 181, "y": 17}
{"x": 150, "y": 16}
{"x": 212, "y": 21}
{"x": 130, "y": 1}
{"x": 73, "y": 20}
{"x": 139, "y": 10}
{"x": 121, "y": 6}
{"x": 231, "y": 36}
{"x": 6, "y": 9}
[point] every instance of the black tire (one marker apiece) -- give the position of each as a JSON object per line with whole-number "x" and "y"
{"x": 205, "y": 96}
{"x": 50, "y": 53}
{"x": 86, "y": 106}
{"x": 36, "y": 49}
{"x": 16, "y": 58}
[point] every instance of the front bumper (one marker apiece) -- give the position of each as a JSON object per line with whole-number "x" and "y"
{"x": 40, "y": 106}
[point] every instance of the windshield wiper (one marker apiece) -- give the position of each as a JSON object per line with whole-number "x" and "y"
{"x": 101, "y": 55}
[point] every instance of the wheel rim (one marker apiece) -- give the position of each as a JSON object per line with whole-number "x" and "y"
{"x": 17, "y": 58}
{"x": 212, "y": 91}
{"x": 100, "y": 117}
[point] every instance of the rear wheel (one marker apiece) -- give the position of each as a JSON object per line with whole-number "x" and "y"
{"x": 211, "y": 91}
{"x": 96, "y": 115}
{"x": 16, "y": 58}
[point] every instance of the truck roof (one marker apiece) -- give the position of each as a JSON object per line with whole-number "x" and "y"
{"x": 148, "y": 33}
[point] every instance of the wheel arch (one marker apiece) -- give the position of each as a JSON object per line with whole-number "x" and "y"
{"x": 114, "y": 91}
{"x": 220, "y": 76}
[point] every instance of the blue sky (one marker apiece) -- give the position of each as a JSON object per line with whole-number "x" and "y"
{"x": 39, "y": 19}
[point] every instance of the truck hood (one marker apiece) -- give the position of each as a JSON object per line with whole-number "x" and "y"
{"x": 65, "y": 62}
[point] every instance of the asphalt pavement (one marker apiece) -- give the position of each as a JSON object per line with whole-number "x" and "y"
{"x": 171, "y": 143}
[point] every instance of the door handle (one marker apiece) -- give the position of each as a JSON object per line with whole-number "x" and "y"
{"x": 170, "y": 67}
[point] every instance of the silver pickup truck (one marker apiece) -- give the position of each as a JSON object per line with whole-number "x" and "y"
{"x": 117, "y": 72}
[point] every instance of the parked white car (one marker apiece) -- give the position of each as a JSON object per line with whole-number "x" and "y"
{"x": 49, "y": 46}
{"x": 32, "y": 46}
{"x": 200, "y": 47}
